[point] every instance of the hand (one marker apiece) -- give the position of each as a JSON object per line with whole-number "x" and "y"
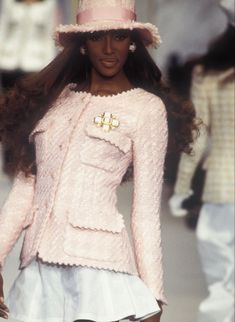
{"x": 3, "y": 308}
{"x": 175, "y": 204}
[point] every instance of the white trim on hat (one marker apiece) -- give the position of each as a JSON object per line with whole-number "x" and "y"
{"x": 121, "y": 15}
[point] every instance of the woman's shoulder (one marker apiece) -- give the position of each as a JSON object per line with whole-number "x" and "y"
{"x": 55, "y": 109}
{"x": 64, "y": 97}
{"x": 210, "y": 78}
{"x": 150, "y": 109}
{"x": 151, "y": 103}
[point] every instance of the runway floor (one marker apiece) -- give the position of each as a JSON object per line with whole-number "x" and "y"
{"x": 185, "y": 286}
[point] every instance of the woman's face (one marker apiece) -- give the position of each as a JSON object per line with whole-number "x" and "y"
{"x": 108, "y": 51}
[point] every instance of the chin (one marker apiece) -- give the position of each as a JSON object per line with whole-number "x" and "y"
{"x": 109, "y": 73}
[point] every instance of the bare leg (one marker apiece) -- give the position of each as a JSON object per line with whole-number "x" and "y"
{"x": 83, "y": 321}
{"x": 154, "y": 318}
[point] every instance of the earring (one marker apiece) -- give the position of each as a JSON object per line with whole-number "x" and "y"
{"x": 132, "y": 47}
{"x": 83, "y": 50}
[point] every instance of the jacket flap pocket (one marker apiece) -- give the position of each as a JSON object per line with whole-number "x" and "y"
{"x": 99, "y": 246}
{"x": 120, "y": 140}
{"x": 99, "y": 221}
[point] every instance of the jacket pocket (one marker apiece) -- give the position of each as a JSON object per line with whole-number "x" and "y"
{"x": 104, "y": 149}
{"x": 101, "y": 220}
{"x": 95, "y": 240}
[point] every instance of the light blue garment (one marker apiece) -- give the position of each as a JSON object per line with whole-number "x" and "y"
{"x": 215, "y": 233}
{"x": 50, "y": 293}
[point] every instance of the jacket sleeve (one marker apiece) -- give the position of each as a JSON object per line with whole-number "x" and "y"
{"x": 189, "y": 163}
{"x": 14, "y": 213}
{"x": 149, "y": 148}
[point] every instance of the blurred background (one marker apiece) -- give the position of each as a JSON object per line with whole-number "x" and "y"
{"x": 187, "y": 28}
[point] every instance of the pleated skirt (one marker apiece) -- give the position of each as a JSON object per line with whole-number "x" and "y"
{"x": 50, "y": 293}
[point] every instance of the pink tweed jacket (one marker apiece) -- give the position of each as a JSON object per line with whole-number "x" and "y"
{"x": 69, "y": 209}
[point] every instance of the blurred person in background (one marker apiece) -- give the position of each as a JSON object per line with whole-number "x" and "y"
{"x": 212, "y": 92}
{"x": 179, "y": 76}
{"x": 73, "y": 131}
{"x": 26, "y": 44}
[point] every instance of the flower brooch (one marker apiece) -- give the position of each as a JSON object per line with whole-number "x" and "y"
{"x": 107, "y": 121}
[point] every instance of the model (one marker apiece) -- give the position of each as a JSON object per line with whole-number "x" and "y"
{"x": 72, "y": 132}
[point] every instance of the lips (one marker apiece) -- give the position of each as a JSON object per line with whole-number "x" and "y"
{"x": 109, "y": 62}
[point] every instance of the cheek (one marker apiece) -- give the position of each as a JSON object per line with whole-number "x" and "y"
{"x": 123, "y": 54}
{"x": 92, "y": 53}
{"x": 123, "y": 49}
{"x": 93, "y": 58}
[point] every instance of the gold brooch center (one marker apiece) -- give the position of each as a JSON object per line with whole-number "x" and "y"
{"x": 107, "y": 121}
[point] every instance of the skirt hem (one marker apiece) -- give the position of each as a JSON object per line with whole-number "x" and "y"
{"x": 89, "y": 317}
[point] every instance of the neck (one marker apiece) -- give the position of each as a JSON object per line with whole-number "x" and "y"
{"x": 109, "y": 85}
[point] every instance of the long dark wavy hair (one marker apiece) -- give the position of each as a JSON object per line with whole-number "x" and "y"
{"x": 31, "y": 97}
{"x": 219, "y": 57}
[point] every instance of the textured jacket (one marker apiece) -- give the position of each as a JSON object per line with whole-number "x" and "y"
{"x": 69, "y": 210}
{"x": 26, "y": 35}
{"x": 213, "y": 96}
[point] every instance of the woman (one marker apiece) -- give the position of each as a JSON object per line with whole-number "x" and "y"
{"x": 213, "y": 96}
{"x": 78, "y": 126}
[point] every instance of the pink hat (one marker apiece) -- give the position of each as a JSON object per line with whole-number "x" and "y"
{"x": 102, "y": 15}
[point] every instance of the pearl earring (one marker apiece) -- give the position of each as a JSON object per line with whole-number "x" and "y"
{"x": 83, "y": 50}
{"x": 132, "y": 47}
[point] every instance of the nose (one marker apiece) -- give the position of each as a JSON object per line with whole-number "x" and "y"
{"x": 108, "y": 44}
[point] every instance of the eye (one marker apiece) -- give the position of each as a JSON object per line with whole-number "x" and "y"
{"x": 121, "y": 35}
{"x": 95, "y": 36}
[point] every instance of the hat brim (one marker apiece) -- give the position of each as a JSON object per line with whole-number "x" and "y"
{"x": 64, "y": 34}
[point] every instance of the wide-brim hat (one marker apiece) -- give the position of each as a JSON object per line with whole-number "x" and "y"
{"x": 104, "y": 15}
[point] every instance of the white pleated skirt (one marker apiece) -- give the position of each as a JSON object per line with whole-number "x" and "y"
{"x": 50, "y": 293}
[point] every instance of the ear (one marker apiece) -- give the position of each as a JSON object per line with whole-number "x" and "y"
{"x": 83, "y": 50}
{"x": 132, "y": 47}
